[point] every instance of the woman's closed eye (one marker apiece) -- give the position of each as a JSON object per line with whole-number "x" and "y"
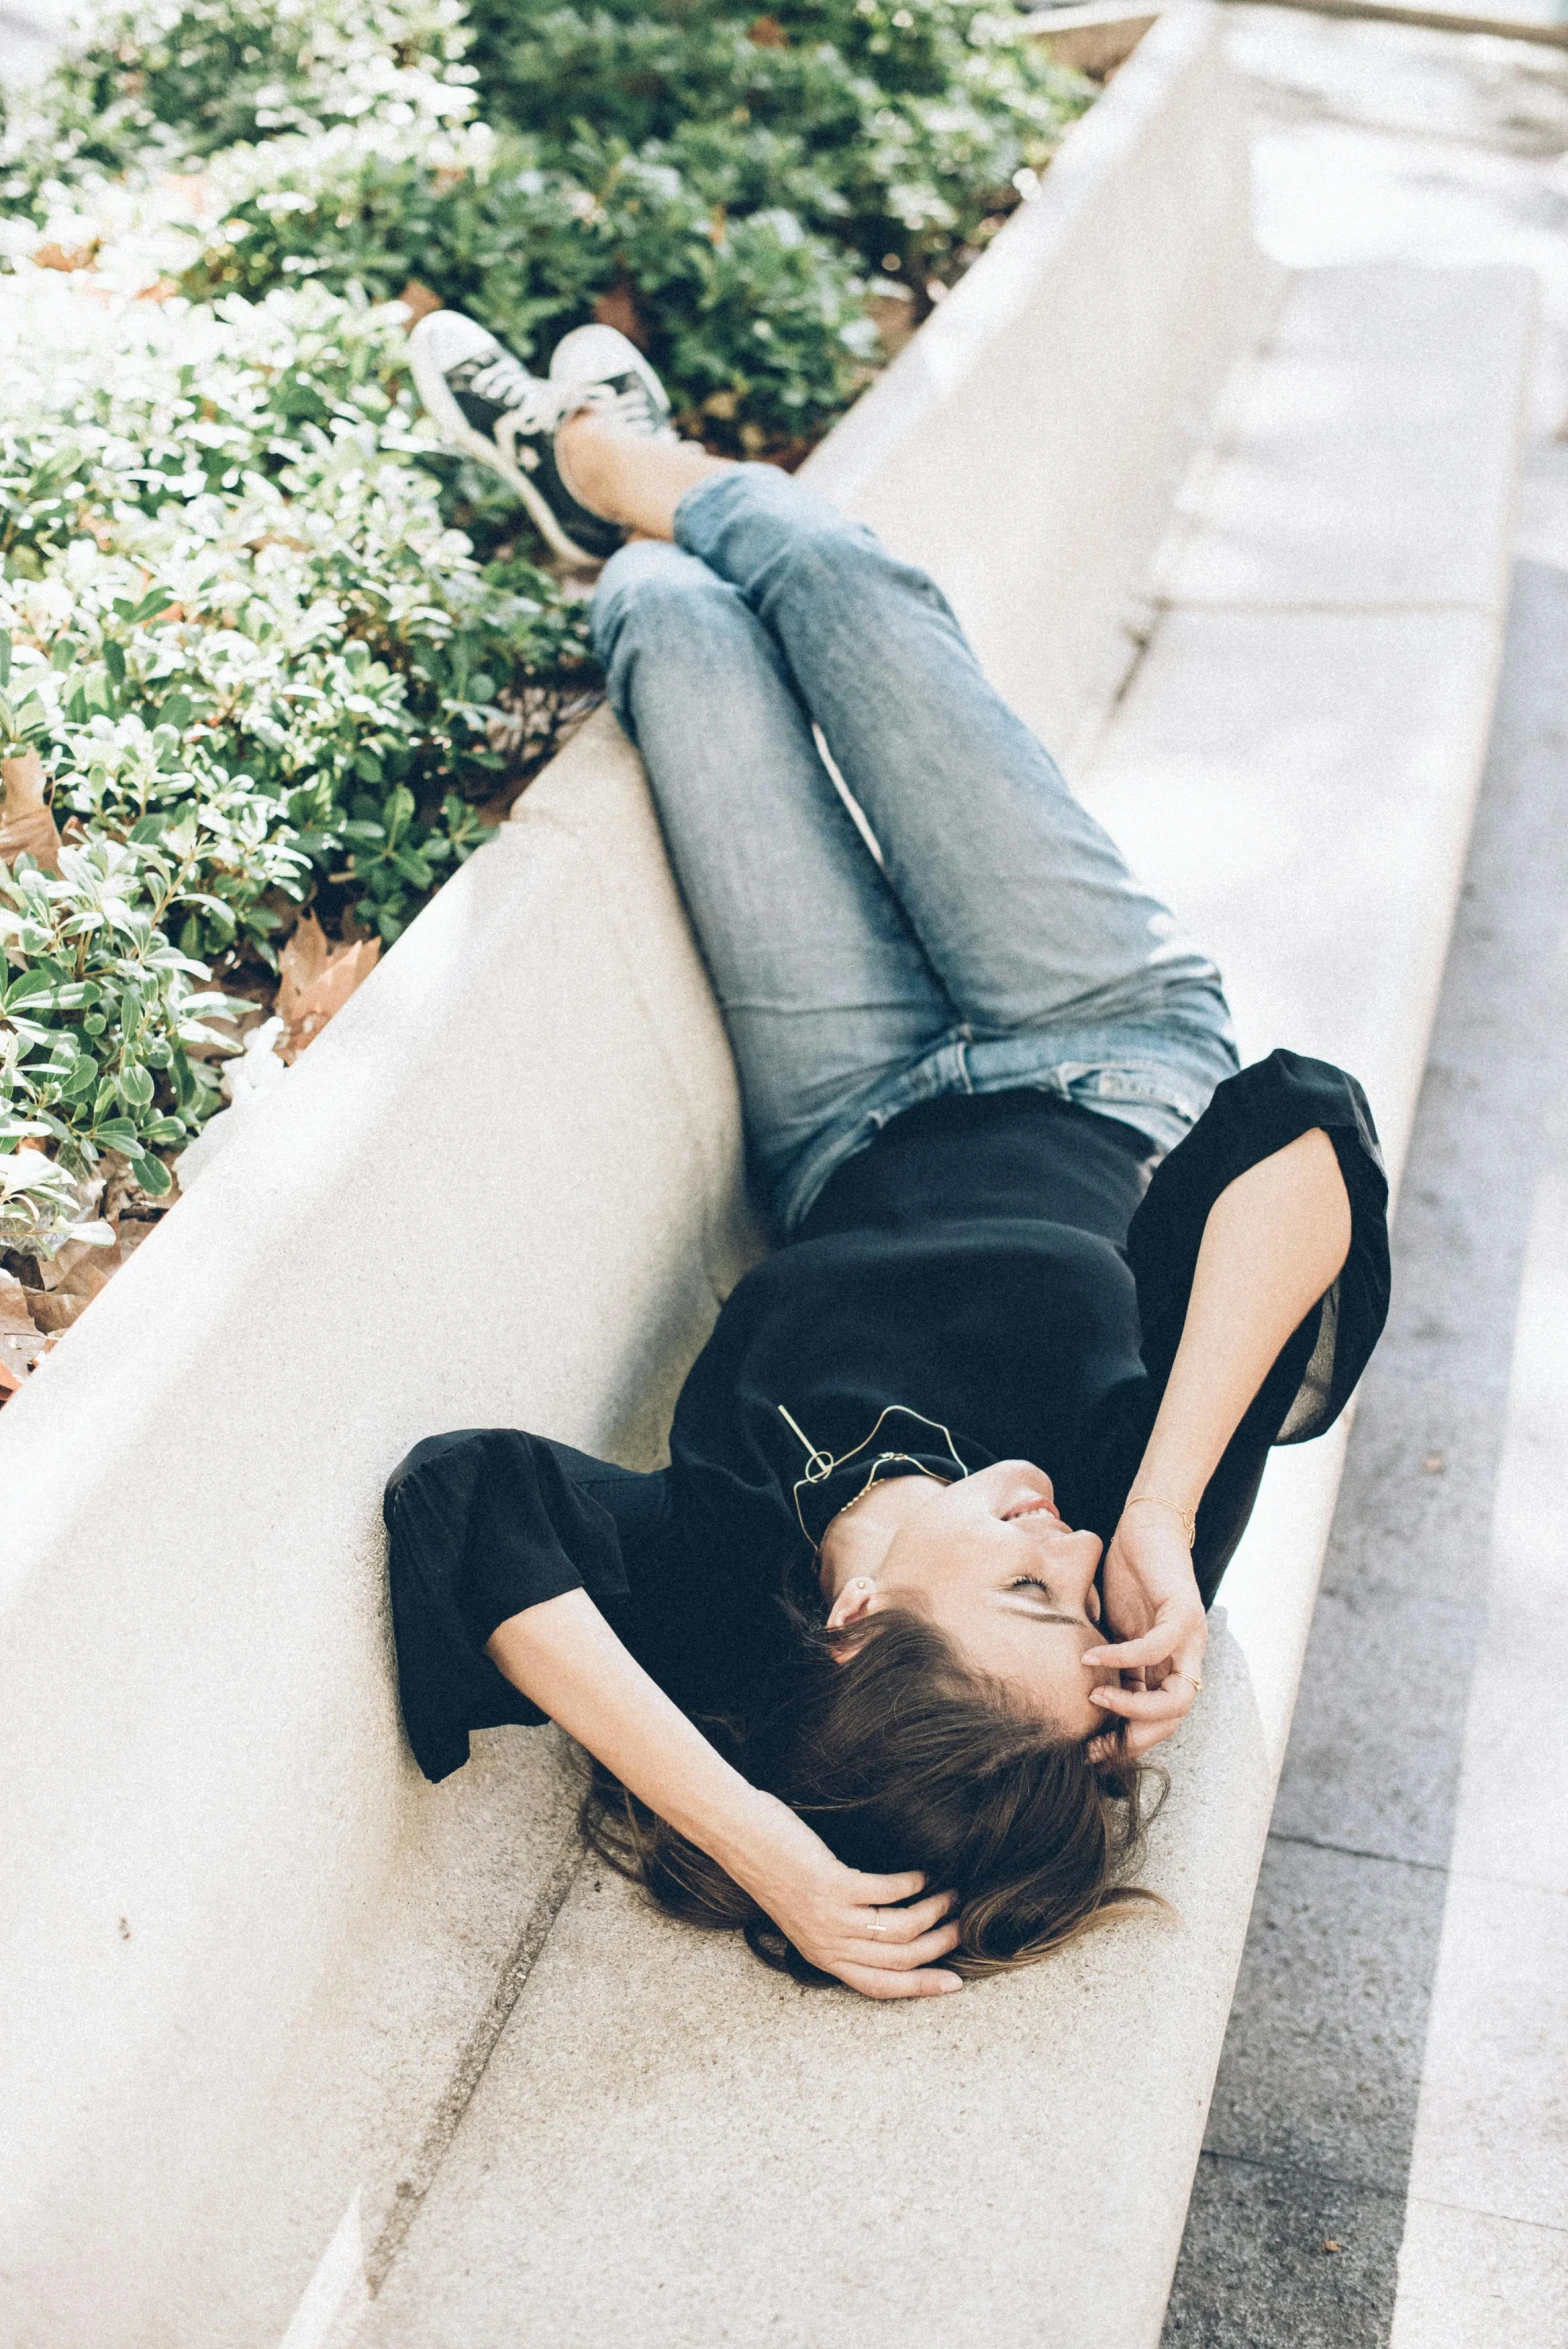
{"x": 1021, "y": 1582}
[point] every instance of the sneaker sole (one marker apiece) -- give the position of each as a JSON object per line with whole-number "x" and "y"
{"x": 456, "y": 430}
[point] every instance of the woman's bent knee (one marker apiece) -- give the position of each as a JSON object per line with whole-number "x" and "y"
{"x": 655, "y": 593}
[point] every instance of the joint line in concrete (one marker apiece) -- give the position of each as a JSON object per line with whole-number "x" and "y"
{"x": 473, "y": 2056}
{"x": 1356, "y": 1851}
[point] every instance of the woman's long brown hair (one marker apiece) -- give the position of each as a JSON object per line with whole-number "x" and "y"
{"x": 900, "y": 1757}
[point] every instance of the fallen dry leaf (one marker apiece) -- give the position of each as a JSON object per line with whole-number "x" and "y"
{"x": 69, "y": 1282}
{"x": 93, "y": 1269}
{"x": 300, "y": 964}
{"x": 22, "y": 1342}
{"x": 419, "y": 300}
{"x": 60, "y": 1270}
{"x": 52, "y": 256}
{"x": 54, "y": 1310}
{"x": 893, "y": 316}
{"x": 26, "y": 826}
{"x": 618, "y": 308}
{"x": 315, "y": 981}
{"x": 14, "y": 1316}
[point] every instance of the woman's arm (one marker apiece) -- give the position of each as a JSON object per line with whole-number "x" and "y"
{"x": 564, "y": 1656}
{"x": 1274, "y": 1242}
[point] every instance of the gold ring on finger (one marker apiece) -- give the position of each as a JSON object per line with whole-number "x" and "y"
{"x": 1193, "y": 1683}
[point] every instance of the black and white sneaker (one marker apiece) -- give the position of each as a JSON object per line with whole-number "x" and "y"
{"x": 609, "y": 373}
{"x": 489, "y": 406}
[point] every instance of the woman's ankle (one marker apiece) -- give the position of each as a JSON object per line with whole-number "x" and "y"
{"x": 585, "y": 456}
{"x": 627, "y": 478}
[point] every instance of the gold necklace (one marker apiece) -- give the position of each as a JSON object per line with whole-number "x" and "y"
{"x": 821, "y": 1465}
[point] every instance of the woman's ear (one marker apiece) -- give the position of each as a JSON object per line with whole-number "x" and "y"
{"x": 857, "y": 1598}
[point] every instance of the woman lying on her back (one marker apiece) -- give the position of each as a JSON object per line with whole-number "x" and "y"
{"x": 959, "y": 1470}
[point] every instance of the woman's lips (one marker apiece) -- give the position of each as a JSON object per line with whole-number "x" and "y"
{"x": 1036, "y": 1509}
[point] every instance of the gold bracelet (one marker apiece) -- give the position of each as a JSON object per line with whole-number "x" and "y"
{"x": 1189, "y": 1517}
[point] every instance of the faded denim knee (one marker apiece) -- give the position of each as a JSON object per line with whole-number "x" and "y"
{"x": 653, "y": 598}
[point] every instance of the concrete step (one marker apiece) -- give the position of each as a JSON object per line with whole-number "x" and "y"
{"x": 668, "y": 2144}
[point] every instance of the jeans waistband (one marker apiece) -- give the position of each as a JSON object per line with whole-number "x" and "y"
{"x": 1157, "y": 1080}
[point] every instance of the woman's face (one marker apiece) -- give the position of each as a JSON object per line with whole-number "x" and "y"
{"x": 989, "y": 1561}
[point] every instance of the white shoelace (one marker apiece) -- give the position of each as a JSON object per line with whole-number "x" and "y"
{"x": 631, "y": 407}
{"x": 535, "y": 405}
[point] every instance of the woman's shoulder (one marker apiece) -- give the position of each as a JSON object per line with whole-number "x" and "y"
{"x": 1287, "y": 1093}
{"x": 448, "y": 1469}
{"x": 1260, "y": 1110}
{"x": 456, "y": 1456}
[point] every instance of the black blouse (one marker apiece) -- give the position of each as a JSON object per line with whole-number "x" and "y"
{"x": 998, "y": 1270}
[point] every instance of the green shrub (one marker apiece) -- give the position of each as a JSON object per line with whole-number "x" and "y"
{"x": 102, "y": 1014}
{"x": 737, "y": 186}
{"x": 898, "y": 129}
{"x": 168, "y": 82}
{"x": 754, "y": 313}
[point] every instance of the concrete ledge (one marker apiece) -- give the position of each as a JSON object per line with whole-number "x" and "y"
{"x": 1097, "y": 38}
{"x": 263, "y": 1965}
{"x": 1026, "y": 444}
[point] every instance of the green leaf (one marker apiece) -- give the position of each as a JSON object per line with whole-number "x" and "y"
{"x": 398, "y": 813}
{"x": 153, "y": 1176}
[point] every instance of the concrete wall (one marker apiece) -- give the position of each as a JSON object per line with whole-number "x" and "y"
{"x": 251, "y": 1964}
{"x": 243, "y": 1943}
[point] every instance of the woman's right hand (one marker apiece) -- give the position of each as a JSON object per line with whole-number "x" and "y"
{"x": 849, "y": 1925}
{"x": 1154, "y": 1608}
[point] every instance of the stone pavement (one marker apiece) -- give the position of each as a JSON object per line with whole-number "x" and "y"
{"x": 1387, "y": 2151}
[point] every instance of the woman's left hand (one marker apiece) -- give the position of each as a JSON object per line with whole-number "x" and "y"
{"x": 1152, "y": 1603}
{"x": 872, "y": 1932}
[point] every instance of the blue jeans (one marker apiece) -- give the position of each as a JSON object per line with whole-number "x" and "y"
{"x": 1002, "y": 942}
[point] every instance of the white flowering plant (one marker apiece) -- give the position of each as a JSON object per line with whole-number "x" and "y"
{"x": 259, "y": 665}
